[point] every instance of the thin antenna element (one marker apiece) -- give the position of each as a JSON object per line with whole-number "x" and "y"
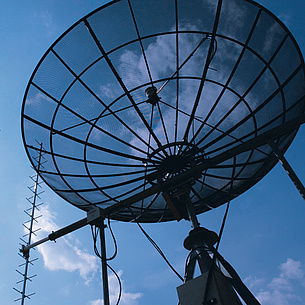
{"x": 29, "y": 225}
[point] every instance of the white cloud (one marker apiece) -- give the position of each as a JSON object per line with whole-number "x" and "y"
{"x": 280, "y": 284}
{"x": 161, "y": 59}
{"x": 37, "y": 99}
{"x": 276, "y": 297}
{"x": 65, "y": 253}
{"x": 253, "y": 282}
{"x": 280, "y": 290}
{"x": 96, "y": 302}
{"x": 127, "y": 298}
{"x": 292, "y": 269}
{"x": 273, "y": 32}
{"x": 110, "y": 91}
{"x": 160, "y": 53}
{"x": 233, "y": 15}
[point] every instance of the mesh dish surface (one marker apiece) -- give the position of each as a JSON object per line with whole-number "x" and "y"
{"x": 137, "y": 96}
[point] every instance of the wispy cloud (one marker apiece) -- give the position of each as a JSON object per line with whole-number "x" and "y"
{"x": 161, "y": 55}
{"x": 127, "y": 298}
{"x": 274, "y": 34}
{"x": 65, "y": 254}
{"x": 47, "y": 21}
{"x": 280, "y": 290}
{"x": 234, "y": 16}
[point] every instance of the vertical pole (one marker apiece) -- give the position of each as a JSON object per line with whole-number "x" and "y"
{"x": 104, "y": 263}
{"x": 25, "y": 279}
{"x": 191, "y": 213}
{"x": 199, "y": 247}
{"x": 292, "y": 175}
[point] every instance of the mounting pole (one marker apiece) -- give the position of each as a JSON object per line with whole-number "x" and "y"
{"x": 197, "y": 246}
{"x": 292, "y": 175}
{"x": 97, "y": 218}
{"x": 104, "y": 262}
{"x": 191, "y": 212}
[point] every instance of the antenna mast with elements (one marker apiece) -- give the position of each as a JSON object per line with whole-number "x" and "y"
{"x": 29, "y": 226}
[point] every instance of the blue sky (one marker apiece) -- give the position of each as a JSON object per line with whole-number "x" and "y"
{"x": 263, "y": 238}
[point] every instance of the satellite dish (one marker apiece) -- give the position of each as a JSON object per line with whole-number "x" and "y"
{"x": 153, "y": 117}
{"x": 136, "y": 109}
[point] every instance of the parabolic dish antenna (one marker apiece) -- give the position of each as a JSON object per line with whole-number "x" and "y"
{"x": 142, "y": 101}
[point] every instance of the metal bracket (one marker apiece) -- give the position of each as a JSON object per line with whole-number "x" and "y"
{"x": 95, "y": 216}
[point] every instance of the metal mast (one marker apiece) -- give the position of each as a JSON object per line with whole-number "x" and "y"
{"x": 29, "y": 226}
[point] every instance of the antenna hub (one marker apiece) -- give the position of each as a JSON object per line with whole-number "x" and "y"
{"x": 174, "y": 164}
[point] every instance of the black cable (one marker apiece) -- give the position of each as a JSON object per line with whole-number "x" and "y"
{"x": 114, "y": 242}
{"x": 223, "y": 225}
{"x": 158, "y": 249}
{"x": 120, "y": 283}
{"x": 95, "y": 232}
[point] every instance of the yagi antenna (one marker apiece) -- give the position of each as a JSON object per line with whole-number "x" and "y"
{"x": 31, "y": 229}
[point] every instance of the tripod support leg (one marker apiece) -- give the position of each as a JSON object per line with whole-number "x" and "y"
{"x": 236, "y": 282}
{"x": 200, "y": 242}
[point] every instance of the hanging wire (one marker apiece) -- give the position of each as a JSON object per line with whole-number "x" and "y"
{"x": 223, "y": 225}
{"x": 119, "y": 282}
{"x": 228, "y": 204}
{"x": 158, "y": 249}
{"x": 114, "y": 242}
{"x": 95, "y": 231}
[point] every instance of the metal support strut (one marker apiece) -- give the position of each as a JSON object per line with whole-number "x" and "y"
{"x": 292, "y": 175}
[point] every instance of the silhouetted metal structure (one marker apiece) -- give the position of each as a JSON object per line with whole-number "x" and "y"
{"x": 146, "y": 116}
